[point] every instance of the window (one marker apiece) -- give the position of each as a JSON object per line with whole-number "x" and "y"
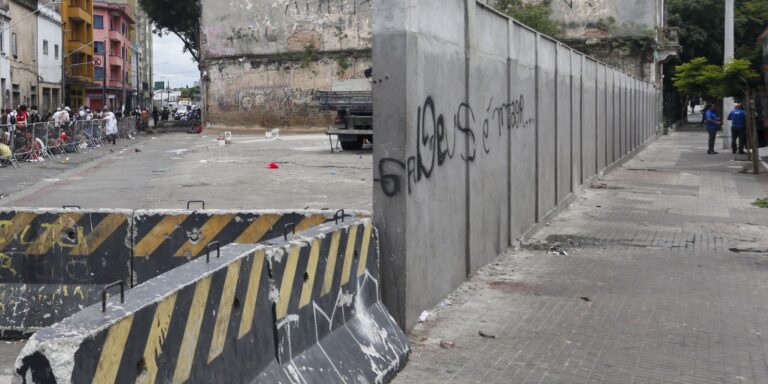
{"x": 98, "y": 47}
{"x": 2, "y": 42}
{"x": 14, "y": 47}
{"x": 98, "y": 22}
{"x": 124, "y": 29}
{"x": 99, "y": 73}
{"x": 45, "y": 47}
{"x": 56, "y": 51}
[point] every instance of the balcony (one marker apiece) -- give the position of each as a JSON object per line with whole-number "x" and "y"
{"x": 115, "y": 60}
{"x": 77, "y": 13}
{"x": 668, "y": 44}
{"x": 115, "y": 83}
{"x": 82, "y": 73}
{"x": 79, "y": 46}
{"x": 115, "y": 35}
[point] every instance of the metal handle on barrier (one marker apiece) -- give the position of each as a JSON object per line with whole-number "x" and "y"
{"x": 104, "y": 294}
{"x": 71, "y": 207}
{"x": 291, "y": 227}
{"x": 218, "y": 251}
{"x": 189, "y": 203}
{"x": 339, "y": 215}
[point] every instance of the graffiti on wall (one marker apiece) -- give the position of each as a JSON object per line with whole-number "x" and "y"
{"x": 317, "y": 7}
{"x": 437, "y": 138}
{"x": 272, "y": 98}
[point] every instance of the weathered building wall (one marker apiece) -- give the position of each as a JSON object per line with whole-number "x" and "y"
{"x": 264, "y": 60}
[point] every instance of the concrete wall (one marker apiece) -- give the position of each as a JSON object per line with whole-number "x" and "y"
{"x": 263, "y": 60}
{"x": 484, "y": 129}
{"x": 49, "y": 29}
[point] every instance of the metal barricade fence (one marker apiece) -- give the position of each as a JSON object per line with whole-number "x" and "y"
{"x": 40, "y": 135}
{"x": 126, "y": 127}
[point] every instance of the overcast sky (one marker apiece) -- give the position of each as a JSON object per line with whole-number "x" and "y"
{"x": 171, "y": 63}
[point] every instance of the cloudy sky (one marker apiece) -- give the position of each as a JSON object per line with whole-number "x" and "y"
{"x": 171, "y": 64}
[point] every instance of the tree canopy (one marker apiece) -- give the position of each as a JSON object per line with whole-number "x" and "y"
{"x": 535, "y": 15}
{"x": 180, "y": 17}
{"x": 702, "y": 28}
{"x": 700, "y": 78}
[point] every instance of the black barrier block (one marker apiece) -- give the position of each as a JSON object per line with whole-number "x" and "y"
{"x": 216, "y": 321}
{"x": 164, "y": 240}
{"x": 53, "y": 263}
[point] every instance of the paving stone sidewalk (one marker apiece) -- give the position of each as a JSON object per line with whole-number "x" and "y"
{"x": 657, "y": 274}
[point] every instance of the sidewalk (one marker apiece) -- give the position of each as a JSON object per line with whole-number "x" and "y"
{"x": 657, "y": 274}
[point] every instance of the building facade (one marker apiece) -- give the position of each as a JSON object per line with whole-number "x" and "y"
{"x": 263, "y": 61}
{"x": 77, "y": 17}
{"x": 112, "y": 26}
{"x": 23, "y": 53}
{"x": 49, "y": 54}
{"x": 5, "y": 62}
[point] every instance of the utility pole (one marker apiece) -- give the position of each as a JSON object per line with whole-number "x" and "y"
{"x": 728, "y": 103}
{"x": 104, "y": 81}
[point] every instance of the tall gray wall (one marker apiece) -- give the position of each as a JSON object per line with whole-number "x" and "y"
{"x": 484, "y": 128}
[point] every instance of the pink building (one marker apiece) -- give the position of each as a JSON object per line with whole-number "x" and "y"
{"x": 112, "y": 30}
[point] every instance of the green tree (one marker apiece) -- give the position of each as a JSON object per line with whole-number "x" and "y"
{"x": 179, "y": 17}
{"x": 702, "y": 25}
{"x": 190, "y": 92}
{"x": 700, "y": 78}
{"x": 533, "y": 14}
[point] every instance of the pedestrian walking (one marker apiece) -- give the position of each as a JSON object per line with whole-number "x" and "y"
{"x": 155, "y": 116}
{"x": 738, "y": 129}
{"x": 713, "y": 125}
{"x": 111, "y": 126}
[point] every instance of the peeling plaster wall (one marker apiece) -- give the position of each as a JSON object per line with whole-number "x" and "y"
{"x": 264, "y": 60}
{"x": 607, "y": 18}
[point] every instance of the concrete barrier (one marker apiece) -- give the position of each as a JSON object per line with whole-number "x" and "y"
{"x": 305, "y": 309}
{"x": 164, "y": 239}
{"x": 54, "y": 263}
{"x": 485, "y": 129}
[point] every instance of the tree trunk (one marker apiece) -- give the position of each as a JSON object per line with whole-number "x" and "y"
{"x": 752, "y": 133}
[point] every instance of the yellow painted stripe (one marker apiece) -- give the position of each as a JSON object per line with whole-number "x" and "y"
{"x": 112, "y": 352}
{"x": 330, "y": 268}
{"x": 9, "y": 229}
{"x": 225, "y": 311}
{"x": 160, "y": 233}
{"x": 192, "y": 331}
{"x": 363, "y": 263}
{"x": 155, "y": 341}
{"x": 287, "y": 285}
{"x": 309, "y": 284}
{"x": 258, "y": 228}
{"x": 208, "y": 233}
{"x": 254, "y": 282}
{"x": 309, "y": 222}
{"x": 52, "y": 233}
{"x": 101, "y": 233}
{"x": 349, "y": 254}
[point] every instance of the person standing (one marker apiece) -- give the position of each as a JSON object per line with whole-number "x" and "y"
{"x": 111, "y": 126}
{"x": 713, "y": 124}
{"x": 738, "y": 129}
{"x": 155, "y": 116}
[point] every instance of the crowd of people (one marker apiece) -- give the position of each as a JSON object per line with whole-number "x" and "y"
{"x": 23, "y": 139}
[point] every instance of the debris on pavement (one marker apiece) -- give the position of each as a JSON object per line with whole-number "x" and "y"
{"x": 446, "y": 344}
{"x": 586, "y": 299}
{"x": 557, "y": 251}
{"x": 485, "y": 335}
{"x": 423, "y": 317}
{"x": 273, "y": 166}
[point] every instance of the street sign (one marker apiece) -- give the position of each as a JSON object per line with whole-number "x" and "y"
{"x": 97, "y": 61}
{"x": 159, "y": 85}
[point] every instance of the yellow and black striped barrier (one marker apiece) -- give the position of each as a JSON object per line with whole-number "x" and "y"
{"x": 53, "y": 263}
{"x": 164, "y": 240}
{"x": 301, "y": 309}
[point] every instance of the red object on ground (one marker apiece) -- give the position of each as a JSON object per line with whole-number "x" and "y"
{"x": 273, "y": 166}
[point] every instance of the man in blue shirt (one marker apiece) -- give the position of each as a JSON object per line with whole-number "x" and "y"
{"x": 713, "y": 123}
{"x": 739, "y": 128}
